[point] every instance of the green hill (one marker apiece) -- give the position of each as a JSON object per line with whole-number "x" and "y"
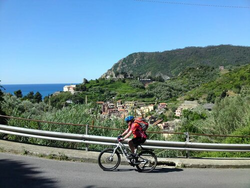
{"x": 170, "y": 63}
{"x": 234, "y": 82}
{"x": 193, "y": 74}
{"x": 202, "y": 83}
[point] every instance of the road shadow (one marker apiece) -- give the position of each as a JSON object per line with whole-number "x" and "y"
{"x": 93, "y": 186}
{"x": 166, "y": 170}
{"x": 18, "y": 175}
{"x": 120, "y": 170}
{"x": 157, "y": 170}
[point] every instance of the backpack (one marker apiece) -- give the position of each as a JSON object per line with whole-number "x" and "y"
{"x": 143, "y": 123}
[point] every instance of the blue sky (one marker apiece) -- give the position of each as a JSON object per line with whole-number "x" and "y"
{"x": 64, "y": 41}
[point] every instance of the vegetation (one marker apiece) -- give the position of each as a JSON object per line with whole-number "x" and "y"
{"x": 81, "y": 115}
{"x": 1, "y": 100}
{"x": 134, "y": 90}
{"x": 171, "y": 63}
{"x": 234, "y": 82}
{"x": 228, "y": 90}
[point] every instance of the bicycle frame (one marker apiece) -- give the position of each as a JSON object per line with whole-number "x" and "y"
{"x": 122, "y": 148}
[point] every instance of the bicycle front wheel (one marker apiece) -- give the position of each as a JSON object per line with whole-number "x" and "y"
{"x": 147, "y": 161}
{"x": 108, "y": 160}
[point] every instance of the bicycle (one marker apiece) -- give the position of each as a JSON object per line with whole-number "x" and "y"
{"x": 109, "y": 159}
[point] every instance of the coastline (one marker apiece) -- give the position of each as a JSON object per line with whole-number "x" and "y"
{"x": 43, "y": 89}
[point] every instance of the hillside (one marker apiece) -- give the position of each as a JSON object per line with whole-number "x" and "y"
{"x": 170, "y": 63}
{"x": 192, "y": 83}
{"x": 234, "y": 82}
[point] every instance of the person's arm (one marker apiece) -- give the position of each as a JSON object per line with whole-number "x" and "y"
{"x": 128, "y": 134}
{"x": 126, "y": 131}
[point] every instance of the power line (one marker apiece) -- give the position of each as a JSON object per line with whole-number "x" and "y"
{"x": 194, "y": 4}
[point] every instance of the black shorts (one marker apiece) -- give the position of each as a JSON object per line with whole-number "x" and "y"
{"x": 137, "y": 141}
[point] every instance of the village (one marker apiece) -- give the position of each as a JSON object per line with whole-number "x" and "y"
{"x": 121, "y": 109}
{"x": 141, "y": 109}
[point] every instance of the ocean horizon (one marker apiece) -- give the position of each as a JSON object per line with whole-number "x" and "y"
{"x": 44, "y": 89}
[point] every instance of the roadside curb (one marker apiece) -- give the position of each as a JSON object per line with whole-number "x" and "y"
{"x": 90, "y": 156}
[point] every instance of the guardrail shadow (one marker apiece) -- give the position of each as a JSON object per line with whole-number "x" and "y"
{"x": 19, "y": 174}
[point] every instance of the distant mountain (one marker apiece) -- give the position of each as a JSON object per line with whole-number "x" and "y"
{"x": 170, "y": 63}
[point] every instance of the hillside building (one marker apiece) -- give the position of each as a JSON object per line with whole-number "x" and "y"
{"x": 69, "y": 88}
{"x": 184, "y": 106}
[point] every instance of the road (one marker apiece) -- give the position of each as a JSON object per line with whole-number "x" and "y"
{"x": 31, "y": 172}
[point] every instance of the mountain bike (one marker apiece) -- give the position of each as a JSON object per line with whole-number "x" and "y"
{"x": 109, "y": 159}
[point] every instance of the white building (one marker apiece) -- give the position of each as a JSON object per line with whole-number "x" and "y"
{"x": 184, "y": 106}
{"x": 146, "y": 109}
{"x": 70, "y": 88}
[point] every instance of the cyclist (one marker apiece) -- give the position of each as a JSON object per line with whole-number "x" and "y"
{"x": 139, "y": 136}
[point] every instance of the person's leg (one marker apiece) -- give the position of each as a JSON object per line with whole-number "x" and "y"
{"x": 134, "y": 144}
{"x": 142, "y": 140}
{"x": 131, "y": 146}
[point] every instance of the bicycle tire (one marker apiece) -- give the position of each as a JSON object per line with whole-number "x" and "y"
{"x": 147, "y": 160}
{"x": 106, "y": 162}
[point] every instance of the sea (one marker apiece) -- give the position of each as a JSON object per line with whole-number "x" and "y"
{"x": 44, "y": 89}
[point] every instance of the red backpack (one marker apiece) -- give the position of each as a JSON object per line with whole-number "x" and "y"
{"x": 143, "y": 123}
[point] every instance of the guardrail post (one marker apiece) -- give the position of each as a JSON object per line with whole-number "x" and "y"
{"x": 86, "y": 132}
{"x": 187, "y": 140}
{"x": 39, "y": 126}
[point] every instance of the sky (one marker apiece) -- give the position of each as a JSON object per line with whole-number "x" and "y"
{"x": 65, "y": 41}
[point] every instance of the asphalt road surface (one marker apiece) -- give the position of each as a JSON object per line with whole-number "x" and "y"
{"x": 31, "y": 172}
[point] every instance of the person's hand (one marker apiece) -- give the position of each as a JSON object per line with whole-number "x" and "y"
{"x": 119, "y": 138}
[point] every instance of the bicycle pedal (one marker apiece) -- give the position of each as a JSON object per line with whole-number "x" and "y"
{"x": 131, "y": 164}
{"x": 131, "y": 156}
{"x": 135, "y": 161}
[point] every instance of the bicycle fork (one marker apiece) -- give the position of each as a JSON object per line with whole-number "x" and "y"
{"x": 110, "y": 158}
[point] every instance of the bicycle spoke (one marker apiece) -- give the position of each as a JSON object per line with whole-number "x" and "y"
{"x": 147, "y": 160}
{"x": 109, "y": 161}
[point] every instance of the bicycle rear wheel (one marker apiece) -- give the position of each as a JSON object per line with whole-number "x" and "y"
{"x": 147, "y": 161}
{"x": 109, "y": 161}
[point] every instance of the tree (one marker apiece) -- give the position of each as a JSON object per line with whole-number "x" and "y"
{"x": 3, "y": 121}
{"x": 38, "y": 97}
{"x": 223, "y": 94}
{"x": 33, "y": 98}
{"x": 125, "y": 74}
{"x": 117, "y": 74}
{"x": 211, "y": 97}
{"x": 85, "y": 81}
{"x": 1, "y": 93}
{"x": 18, "y": 93}
{"x": 29, "y": 96}
{"x": 81, "y": 87}
{"x": 159, "y": 79}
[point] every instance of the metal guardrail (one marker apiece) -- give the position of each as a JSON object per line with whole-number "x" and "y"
{"x": 91, "y": 139}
